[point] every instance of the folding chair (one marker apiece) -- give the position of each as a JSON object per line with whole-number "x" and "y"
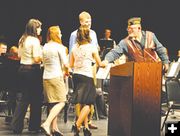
{"x": 3, "y": 104}
{"x": 173, "y": 96}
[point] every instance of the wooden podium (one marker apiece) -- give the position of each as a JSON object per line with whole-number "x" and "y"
{"x": 135, "y": 99}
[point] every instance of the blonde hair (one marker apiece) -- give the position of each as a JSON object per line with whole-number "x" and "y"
{"x": 84, "y": 15}
{"x": 53, "y": 34}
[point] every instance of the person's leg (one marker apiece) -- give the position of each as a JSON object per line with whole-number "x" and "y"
{"x": 35, "y": 116}
{"x": 83, "y": 118}
{"x": 52, "y": 115}
{"x": 17, "y": 122}
{"x": 83, "y": 114}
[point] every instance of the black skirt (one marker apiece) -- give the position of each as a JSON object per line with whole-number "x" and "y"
{"x": 84, "y": 89}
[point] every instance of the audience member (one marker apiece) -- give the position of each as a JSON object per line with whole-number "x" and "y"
{"x": 12, "y": 65}
{"x": 3, "y": 50}
{"x": 178, "y": 55}
{"x": 106, "y": 43}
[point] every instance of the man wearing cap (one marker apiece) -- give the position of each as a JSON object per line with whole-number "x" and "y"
{"x": 139, "y": 46}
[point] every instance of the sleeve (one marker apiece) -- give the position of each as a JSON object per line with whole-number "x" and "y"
{"x": 116, "y": 52}
{"x": 36, "y": 48}
{"x": 72, "y": 41}
{"x": 19, "y": 51}
{"x": 161, "y": 50}
{"x": 94, "y": 39}
{"x": 63, "y": 56}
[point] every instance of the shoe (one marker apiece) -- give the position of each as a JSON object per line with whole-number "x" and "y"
{"x": 56, "y": 133}
{"x": 92, "y": 126}
{"x": 163, "y": 113}
{"x": 102, "y": 117}
{"x": 75, "y": 130}
{"x": 17, "y": 131}
{"x": 46, "y": 130}
{"x": 86, "y": 132}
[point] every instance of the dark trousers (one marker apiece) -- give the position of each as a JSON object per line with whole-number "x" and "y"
{"x": 30, "y": 94}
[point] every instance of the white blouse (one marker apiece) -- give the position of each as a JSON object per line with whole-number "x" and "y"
{"x": 83, "y": 56}
{"x": 30, "y": 49}
{"x": 54, "y": 56}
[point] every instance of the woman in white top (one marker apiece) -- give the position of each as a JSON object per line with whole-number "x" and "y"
{"x": 30, "y": 78}
{"x": 81, "y": 60}
{"x": 54, "y": 59}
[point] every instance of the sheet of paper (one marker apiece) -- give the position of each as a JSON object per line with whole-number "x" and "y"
{"x": 103, "y": 73}
{"x": 173, "y": 69}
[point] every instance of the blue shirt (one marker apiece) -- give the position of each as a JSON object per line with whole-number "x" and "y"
{"x": 123, "y": 49}
{"x": 72, "y": 40}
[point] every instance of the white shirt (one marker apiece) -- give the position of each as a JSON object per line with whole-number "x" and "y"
{"x": 30, "y": 49}
{"x": 54, "y": 56}
{"x": 73, "y": 38}
{"x": 83, "y": 56}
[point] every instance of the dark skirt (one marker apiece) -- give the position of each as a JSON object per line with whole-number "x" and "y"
{"x": 84, "y": 89}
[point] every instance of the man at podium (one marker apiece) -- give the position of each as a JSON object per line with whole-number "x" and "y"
{"x": 139, "y": 46}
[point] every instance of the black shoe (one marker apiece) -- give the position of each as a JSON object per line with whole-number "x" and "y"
{"x": 17, "y": 131}
{"x": 102, "y": 117}
{"x": 56, "y": 133}
{"x": 45, "y": 130}
{"x": 86, "y": 132}
{"x": 163, "y": 113}
{"x": 75, "y": 130}
{"x": 92, "y": 126}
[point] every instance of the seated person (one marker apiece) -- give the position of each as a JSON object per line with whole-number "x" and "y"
{"x": 106, "y": 43}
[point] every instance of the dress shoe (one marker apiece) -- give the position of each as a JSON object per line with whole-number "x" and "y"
{"x": 163, "y": 113}
{"x": 75, "y": 130}
{"x": 17, "y": 132}
{"x": 57, "y": 133}
{"x": 102, "y": 117}
{"x": 45, "y": 129}
{"x": 86, "y": 132}
{"x": 35, "y": 131}
{"x": 92, "y": 126}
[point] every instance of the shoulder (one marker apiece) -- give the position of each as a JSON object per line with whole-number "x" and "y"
{"x": 74, "y": 33}
{"x": 148, "y": 32}
{"x": 32, "y": 40}
{"x": 92, "y": 31}
{"x": 35, "y": 39}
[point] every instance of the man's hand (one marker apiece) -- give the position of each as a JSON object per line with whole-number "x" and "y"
{"x": 104, "y": 63}
{"x": 165, "y": 67}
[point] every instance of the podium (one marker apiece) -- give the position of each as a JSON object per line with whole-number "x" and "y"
{"x": 135, "y": 99}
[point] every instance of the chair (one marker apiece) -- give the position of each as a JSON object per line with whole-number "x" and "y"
{"x": 172, "y": 86}
{"x": 3, "y": 104}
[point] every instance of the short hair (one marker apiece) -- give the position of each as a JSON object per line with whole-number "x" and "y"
{"x": 107, "y": 29}
{"x": 2, "y": 44}
{"x": 53, "y": 34}
{"x": 83, "y": 15}
{"x": 83, "y": 35}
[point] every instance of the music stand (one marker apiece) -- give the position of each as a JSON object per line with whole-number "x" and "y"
{"x": 106, "y": 44}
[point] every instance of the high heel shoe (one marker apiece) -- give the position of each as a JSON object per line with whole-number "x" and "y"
{"x": 87, "y": 132}
{"x": 46, "y": 130}
{"x": 57, "y": 133}
{"x": 75, "y": 130}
